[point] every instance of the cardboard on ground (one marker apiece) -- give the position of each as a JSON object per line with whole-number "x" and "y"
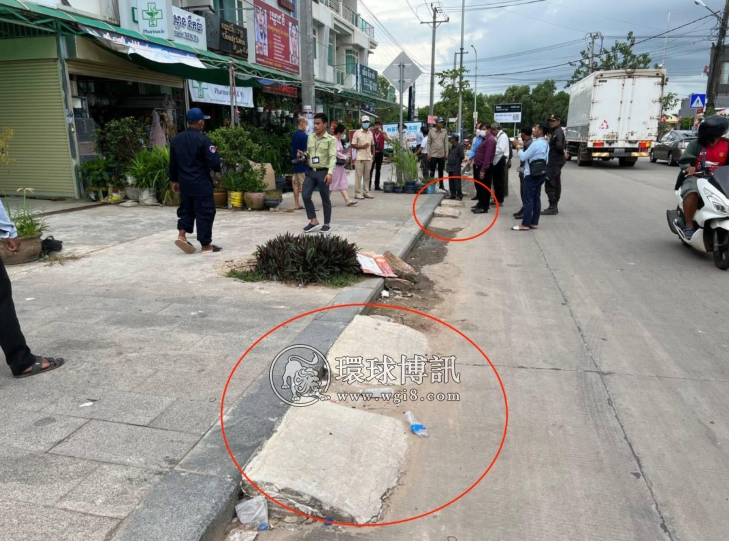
{"x": 375, "y": 264}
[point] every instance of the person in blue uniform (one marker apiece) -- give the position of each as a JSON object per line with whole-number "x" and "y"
{"x": 192, "y": 156}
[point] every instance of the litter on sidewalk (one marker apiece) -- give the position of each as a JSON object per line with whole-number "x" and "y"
{"x": 417, "y": 428}
{"x": 375, "y": 264}
{"x": 253, "y": 512}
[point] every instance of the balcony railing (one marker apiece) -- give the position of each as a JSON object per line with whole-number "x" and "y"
{"x": 351, "y": 16}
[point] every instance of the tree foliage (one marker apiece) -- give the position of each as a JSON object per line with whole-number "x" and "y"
{"x": 620, "y": 56}
{"x": 537, "y": 104}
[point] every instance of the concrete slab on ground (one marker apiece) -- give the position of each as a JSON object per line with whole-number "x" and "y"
{"x": 369, "y": 338}
{"x": 317, "y": 457}
{"x": 445, "y": 212}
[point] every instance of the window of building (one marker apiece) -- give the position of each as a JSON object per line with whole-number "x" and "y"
{"x": 330, "y": 53}
{"x": 351, "y": 59}
{"x": 316, "y": 44}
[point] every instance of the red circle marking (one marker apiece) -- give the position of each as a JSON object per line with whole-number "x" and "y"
{"x": 373, "y": 305}
{"x": 415, "y": 215}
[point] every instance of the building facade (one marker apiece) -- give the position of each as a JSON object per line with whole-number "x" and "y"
{"x": 68, "y": 67}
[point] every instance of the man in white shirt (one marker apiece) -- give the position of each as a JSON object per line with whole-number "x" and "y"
{"x": 501, "y": 156}
{"x": 21, "y": 361}
{"x": 364, "y": 143}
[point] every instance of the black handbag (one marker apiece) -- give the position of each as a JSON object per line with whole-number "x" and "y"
{"x": 537, "y": 168}
{"x": 341, "y": 161}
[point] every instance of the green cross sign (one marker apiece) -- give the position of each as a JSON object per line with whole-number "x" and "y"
{"x": 152, "y": 14}
{"x": 200, "y": 87}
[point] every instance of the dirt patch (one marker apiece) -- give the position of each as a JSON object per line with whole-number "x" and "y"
{"x": 428, "y": 251}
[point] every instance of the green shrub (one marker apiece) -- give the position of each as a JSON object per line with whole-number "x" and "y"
{"x": 306, "y": 259}
{"x": 273, "y": 194}
{"x": 96, "y": 173}
{"x": 235, "y": 146}
{"x": 232, "y": 181}
{"x": 28, "y": 222}
{"x": 253, "y": 179}
{"x": 120, "y": 140}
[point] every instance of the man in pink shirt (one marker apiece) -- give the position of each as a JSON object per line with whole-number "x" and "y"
{"x": 483, "y": 171}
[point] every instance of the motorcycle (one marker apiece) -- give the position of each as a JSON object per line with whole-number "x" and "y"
{"x": 711, "y": 218}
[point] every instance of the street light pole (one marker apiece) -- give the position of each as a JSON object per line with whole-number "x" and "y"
{"x": 717, "y": 54}
{"x": 460, "y": 83}
{"x": 475, "y": 93}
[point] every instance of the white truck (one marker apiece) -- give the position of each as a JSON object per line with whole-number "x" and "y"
{"x": 614, "y": 114}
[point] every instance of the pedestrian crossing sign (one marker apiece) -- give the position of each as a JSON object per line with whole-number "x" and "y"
{"x": 698, "y": 101}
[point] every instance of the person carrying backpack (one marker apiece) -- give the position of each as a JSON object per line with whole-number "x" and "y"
{"x": 535, "y": 159}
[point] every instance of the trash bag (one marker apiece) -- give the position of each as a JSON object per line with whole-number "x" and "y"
{"x": 157, "y": 137}
{"x": 148, "y": 197}
{"x": 253, "y": 511}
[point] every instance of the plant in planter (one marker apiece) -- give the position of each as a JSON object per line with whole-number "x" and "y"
{"x": 30, "y": 226}
{"x": 121, "y": 140}
{"x": 406, "y": 164}
{"x": 95, "y": 175}
{"x": 232, "y": 181}
{"x": 273, "y": 199}
{"x": 254, "y": 187}
{"x": 150, "y": 169}
{"x": 220, "y": 194}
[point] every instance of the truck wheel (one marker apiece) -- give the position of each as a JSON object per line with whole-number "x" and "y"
{"x": 624, "y": 162}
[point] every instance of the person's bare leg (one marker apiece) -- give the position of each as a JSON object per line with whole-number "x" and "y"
{"x": 296, "y": 198}
{"x": 182, "y": 234}
{"x": 345, "y": 195}
{"x": 690, "y": 204}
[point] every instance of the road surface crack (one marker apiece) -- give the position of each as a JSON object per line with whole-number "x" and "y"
{"x": 611, "y": 402}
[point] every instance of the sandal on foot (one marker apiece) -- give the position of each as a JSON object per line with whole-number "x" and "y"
{"x": 185, "y": 245}
{"x": 215, "y": 249}
{"x": 351, "y": 203}
{"x": 519, "y": 228}
{"x": 38, "y": 366}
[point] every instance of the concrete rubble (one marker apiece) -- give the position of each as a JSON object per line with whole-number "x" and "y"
{"x": 445, "y": 212}
{"x": 400, "y": 268}
{"x": 331, "y": 461}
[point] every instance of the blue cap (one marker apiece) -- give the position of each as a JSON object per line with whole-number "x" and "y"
{"x": 196, "y": 115}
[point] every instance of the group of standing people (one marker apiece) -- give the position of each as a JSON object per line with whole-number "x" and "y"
{"x": 490, "y": 156}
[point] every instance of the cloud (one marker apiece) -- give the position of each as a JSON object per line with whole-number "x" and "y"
{"x": 551, "y": 23}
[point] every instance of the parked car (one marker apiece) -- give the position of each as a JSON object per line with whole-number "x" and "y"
{"x": 671, "y": 146}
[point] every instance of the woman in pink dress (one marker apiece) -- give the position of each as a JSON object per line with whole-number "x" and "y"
{"x": 339, "y": 179}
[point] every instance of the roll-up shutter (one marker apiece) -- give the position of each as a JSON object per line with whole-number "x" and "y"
{"x": 105, "y": 71}
{"x": 31, "y": 104}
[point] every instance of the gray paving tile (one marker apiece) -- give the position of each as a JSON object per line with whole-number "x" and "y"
{"x": 188, "y": 415}
{"x": 114, "y": 406}
{"x": 128, "y": 445}
{"x": 30, "y": 522}
{"x": 39, "y": 477}
{"x": 111, "y": 491}
{"x": 36, "y": 431}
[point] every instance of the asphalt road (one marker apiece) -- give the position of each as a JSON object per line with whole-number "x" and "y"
{"x": 611, "y": 342}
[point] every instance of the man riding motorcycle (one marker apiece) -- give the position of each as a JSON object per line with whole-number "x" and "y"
{"x": 709, "y": 151}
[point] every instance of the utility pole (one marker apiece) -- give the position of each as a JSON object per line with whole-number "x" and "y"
{"x": 401, "y": 85}
{"x": 475, "y": 94}
{"x": 665, "y": 40}
{"x": 307, "y": 56}
{"x": 460, "y": 73}
{"x": 717, "y": 58}
{"x": 437, "y": 10}
{"x": 592, "y": 37}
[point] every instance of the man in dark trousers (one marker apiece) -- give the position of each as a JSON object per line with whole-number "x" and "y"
{"x": 455, "y": 160}
{"x": 322, "y": 150}
{"x": 21, "y": 361}
{"x": 483, "y": 170}
{"x": 526, "y": 137}
{"x": 192, "y": 156}
{"x": 553, "y": 186}
{"x": 380, "y": 138}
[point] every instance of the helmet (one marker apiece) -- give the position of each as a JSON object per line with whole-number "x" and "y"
{"x": 712, "y": 128}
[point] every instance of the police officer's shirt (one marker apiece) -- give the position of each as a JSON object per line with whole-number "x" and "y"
{"x": 192, "y": 156}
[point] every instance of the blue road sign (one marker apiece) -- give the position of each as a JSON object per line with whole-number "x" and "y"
{"x": 698, "y": 101}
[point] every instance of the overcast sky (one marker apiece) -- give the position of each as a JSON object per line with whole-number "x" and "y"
{"x": 558, "y": 27}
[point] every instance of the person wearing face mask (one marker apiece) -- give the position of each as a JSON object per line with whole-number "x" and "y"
{"x": 340, "y": 182}
{"x": 480, "y": 134}
{"x": 192, "y": 156}
{"x": 364, "y": 144}
{"x": 380, "y": 137}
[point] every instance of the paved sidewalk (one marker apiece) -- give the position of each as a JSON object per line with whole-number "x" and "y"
{"x": 150, "y": 335}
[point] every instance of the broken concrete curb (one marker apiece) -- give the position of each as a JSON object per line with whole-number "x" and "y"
{"x": 209, "y": 459}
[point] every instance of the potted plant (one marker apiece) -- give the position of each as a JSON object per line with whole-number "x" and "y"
{"x": 150, "y": 171}
{"x": 95, "y": 176}
{"x": 30, "y": 225}
{"x": 232, "y": 181}
{"x": 260, "y": 102}
{"x": 388, "y": 186}
{"x": 406, "y": 164}
{"x": 220, "y": 194}
{"x": 254, "y": 187}
{"x": 273, "y": 199}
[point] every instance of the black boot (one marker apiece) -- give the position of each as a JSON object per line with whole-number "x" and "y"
{"x": 551, "y": 211}
{"x": 519, "y": 215}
